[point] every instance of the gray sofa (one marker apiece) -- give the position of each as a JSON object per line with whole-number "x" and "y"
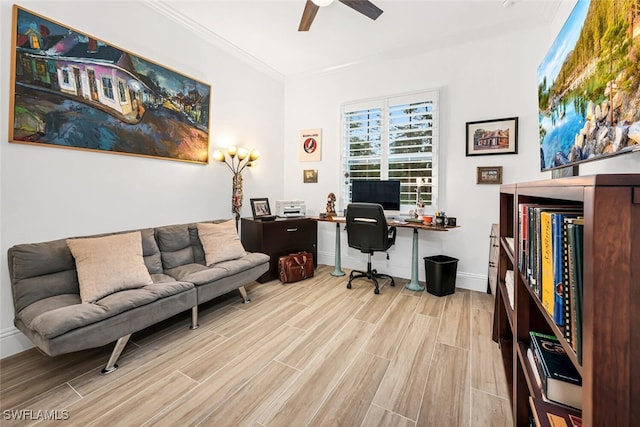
{"x": 49, "y": 311}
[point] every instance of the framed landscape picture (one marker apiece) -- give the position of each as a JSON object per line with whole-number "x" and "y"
{"x": 71, "y": 90}
{"x": 499, "y": 136}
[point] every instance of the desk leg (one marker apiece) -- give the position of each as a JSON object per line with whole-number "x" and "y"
{"x": 414, "y": 285}
{"x": 338, "y": 266}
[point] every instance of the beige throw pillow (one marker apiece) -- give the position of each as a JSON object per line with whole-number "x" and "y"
{"x": 109, "y": 264}
{"x": 220, "y": 242}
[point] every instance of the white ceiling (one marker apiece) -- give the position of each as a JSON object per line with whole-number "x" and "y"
{"x": 265, "y": 31}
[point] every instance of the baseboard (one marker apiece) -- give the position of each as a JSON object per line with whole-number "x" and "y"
{"x": 402, "y": 269}
{"x": 13, "y": 341}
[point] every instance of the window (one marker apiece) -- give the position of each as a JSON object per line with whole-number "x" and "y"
{"x": 35, "y": 41}
{"x": 65, "y": 76}
{"x": 107, "y": 87}
{"x": 393, "y": 138}
{"x": 122, "y": 91}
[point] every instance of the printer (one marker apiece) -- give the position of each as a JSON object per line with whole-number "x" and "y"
{"x": 290, "y": 208}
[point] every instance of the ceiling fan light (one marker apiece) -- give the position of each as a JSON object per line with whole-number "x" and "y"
{"x": 322, "y": 3}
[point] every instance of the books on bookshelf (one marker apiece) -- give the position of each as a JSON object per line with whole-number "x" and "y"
{"x": 560, "y": 380}
{"x": 547, "y": 414}
{"x": 551, "y": 262}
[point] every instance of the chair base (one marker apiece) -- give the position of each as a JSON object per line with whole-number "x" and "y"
{"x": 370, "y": 274}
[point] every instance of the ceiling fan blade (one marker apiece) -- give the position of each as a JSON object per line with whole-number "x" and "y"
{"x": 310, "y": 10}
{"x": 365, "y": 7}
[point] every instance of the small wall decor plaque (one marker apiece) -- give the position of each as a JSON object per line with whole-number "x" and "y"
{"x": 310, "y": 176}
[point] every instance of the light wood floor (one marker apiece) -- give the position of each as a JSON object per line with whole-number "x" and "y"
{"x": 307, "y": 353}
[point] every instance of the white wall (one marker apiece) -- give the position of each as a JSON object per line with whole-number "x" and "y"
{"x": 482, "y": 79}
{"x": 49, "y": 193}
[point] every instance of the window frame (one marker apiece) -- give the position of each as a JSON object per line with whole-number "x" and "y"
{"x": 107, "y": 87}
{"x": 386, "y": 103}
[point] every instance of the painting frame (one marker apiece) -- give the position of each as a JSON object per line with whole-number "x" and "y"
{"x": 73, "y": 90}
{"x": 492, "y": 137}
{"x": 489, "y": 175}
{"x": 260, "y": 208}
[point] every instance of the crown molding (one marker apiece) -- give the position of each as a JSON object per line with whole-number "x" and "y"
{"x": 163, "y": 8}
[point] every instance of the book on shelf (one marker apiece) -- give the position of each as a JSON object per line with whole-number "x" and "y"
{"x": 568, "y": 295}
{"x": 546, "y": 262}
{"x": 558, "y": 256}
{"x": 560, "y": 379}
{"x": 575, "y": 227}
{"x": 546, "y": 414}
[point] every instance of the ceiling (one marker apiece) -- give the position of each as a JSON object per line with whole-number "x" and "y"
{"x": 266, "y": 31}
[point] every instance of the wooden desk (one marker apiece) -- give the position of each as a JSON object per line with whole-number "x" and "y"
{"x": 414, "y": 284}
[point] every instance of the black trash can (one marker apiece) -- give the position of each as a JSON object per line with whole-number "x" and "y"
{"x": 441, "y": 274}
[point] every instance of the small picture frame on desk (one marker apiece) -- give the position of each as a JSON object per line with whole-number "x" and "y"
{"x": 260, "y": 209}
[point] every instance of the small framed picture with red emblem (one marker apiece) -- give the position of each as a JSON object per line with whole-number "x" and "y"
{"x": 310, "y": 145}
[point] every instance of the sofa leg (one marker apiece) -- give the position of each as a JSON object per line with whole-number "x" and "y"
{"x": 115, "y": 354}
{"x": 245, "y": 297}
{"x": 194, "y": 317}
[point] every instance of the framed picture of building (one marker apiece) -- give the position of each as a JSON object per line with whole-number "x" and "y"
{"x": 72, "y": 90}
{"x": 499, "y": 136}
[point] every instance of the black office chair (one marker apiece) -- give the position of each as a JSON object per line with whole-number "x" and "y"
{"x": 368, "y": 231}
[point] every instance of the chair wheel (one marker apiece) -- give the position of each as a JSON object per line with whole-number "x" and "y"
{"x": 348, "y": 285}
{"x": 376, "y": 291}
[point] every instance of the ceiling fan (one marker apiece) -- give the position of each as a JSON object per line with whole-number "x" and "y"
{"x": 365, "y": 7}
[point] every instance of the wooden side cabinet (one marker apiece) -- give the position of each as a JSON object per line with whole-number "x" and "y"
{"x": 280, "y": 237}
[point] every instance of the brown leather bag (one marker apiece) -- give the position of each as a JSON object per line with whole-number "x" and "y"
{"x": 295, "y": 267}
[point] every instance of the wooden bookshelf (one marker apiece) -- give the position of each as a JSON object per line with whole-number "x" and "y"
{"x": 611, "y": 297}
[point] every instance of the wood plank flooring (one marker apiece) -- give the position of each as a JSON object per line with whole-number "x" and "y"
{"x": 311, "y": 353}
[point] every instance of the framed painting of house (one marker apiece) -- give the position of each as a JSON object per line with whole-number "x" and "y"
{"x": 499, "y": 136}
{"x": 71, "y": 90}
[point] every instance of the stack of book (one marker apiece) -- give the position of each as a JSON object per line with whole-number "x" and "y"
{"x": 558, "y": 378}
{"x": 550, "y": 260}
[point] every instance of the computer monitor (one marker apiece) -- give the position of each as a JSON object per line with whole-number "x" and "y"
{"x": 386, "y": 193}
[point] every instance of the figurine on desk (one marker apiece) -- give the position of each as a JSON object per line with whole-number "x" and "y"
{"x": 331, "y": 205}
